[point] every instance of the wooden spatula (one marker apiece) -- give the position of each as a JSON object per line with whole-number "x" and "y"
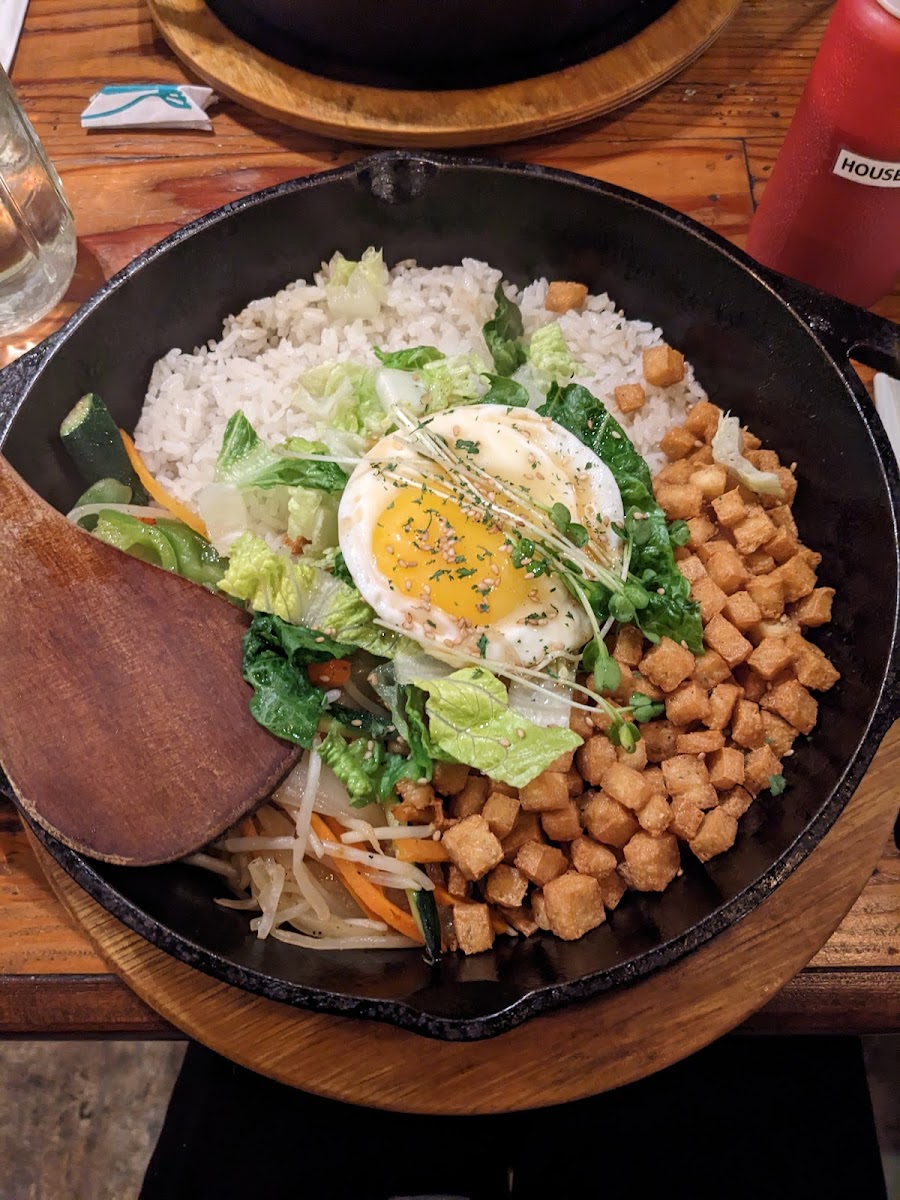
{"x": 124, "y": 726}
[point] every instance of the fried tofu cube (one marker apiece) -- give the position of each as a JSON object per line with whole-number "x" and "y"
{"x": 763, "y": 460}
{"x": 685, "y": 817}
{"x": 608, "y": 822}
{"x": 722, "y": 700}
{"x": 683, "y": 772}
{"x": 473, "y": 928}
{"x": 563, "y": 295}
{"x": 539, "y": 910}
{"x": 701, "y": 530}
{"x": 627, "y": 786}
{"x": 678, "y": 471}
{"x": 715, "y": 835}
{"x": 712, "y": 480}
{"x": 590, "y": 858}
{"x": 771, "y": 657}
{"x": 472, "y": 847}
{"x": 746, "y": 725}
{"x": 703, "y": 420}
{"x": 713, "y": 546}
{"x": 812, "y": 668}
{"x": 521, "y": 919}
{"x": 814, "y": 609}
{"x": 548, "y": 791}
{"x": 797, "y": 577}
{"x": 457, "y": 884}
{"x": 703, "y": 796}
{"x": 574, "y": 782}
{"x": 777, "y": 733}
{"x": 691, "y": 568}
{"x": 788, "y": 482}
{"x": 612, "y": 889}
{"x": 663, "y": 366}
{"x": 562, "y": 824}
{"x": 594, "y": 759}
{"x": 582, "y": 723}
{"x": 759, "y": 562}
{"x": 450, "y": 778}
{"x": 655, "y": 815}
{"x": 677, "y": 443}
{"x": 729, "y": 508}
{"x": 689, "y": 702}
{"x": 540, "y": 863}
{"x": 658, "y": 737}
{"x": 741, "y": 610}
{"x": 720, "y": 635}
{"x": 736, "y": 802}
{"x": 783, "y": 517}
{"x": 629, "y": 397}
{"x": 628, "y": 648}
{"x": 636, "y": 758}
{"x": 500, "y": 812}
{"x": 726, "y": 768}
{"x": 792, "y": 701}
{"x": 700, "y": 741}
{"x": 782, "y": 544}
{"x": 679, "y": 500}
{"x": 527, "y": 828}
{"x": 759, "y": 767}
{"x": 505, "y": 885}
{"x": 655, "y": 781}
{"x": 767, "y": 593}
{"x": 471, "y": 798}
{"x": 415, "y": 795}
{"x": 652, "y": 862}
{"x": 726, "y": 568}
{"x": 667, "y": 664}
{"x": 562, "y": 763}
{"x": 573, "y": 905}
{"x": 811, "y": 557}
{"x": 710, "y": 669}
{"x": 709, "y": 596}
{"x": 753, "y": 685}
{"x": 753, "y": 531}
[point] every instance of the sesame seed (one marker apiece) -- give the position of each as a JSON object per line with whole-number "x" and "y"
{"x": 320, "y": 640}
{"x": 504, "y": 742}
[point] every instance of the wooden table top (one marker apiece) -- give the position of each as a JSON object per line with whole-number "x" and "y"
{"x": 703, "y": 144}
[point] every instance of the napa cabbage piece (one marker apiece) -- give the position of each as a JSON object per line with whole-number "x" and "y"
{"x": 342, "y": 396}
{"x": 726, "y": 450}
{"x": 313, "y": 517}
{"x": 549, "y": 356}
{"x": 355, "y": 289}
{"x": 469, "y": 718}
{"x": 245, "y": 461}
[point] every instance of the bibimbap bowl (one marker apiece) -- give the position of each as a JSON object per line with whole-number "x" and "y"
{"x": 771, "y": 351}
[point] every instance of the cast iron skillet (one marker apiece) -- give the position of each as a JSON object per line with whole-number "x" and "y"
{"x": 770, "y": 350}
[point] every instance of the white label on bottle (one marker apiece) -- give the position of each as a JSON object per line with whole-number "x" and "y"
{"x": 870, "y": 171}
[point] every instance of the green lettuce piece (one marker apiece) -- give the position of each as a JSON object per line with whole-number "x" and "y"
{"x": 502, "y": 334}
{"x": 356, "y": 289}
{"x": 246, "y": 461}
{"x": 456, "y": 379}
{"x": 367, "y": 769}
{"x": 275, "y": 658}
{"x": 346, "y": 399}
{"x": 469, "y": 718}
{"x": 410, "y": 359}
{"x": 167, "y": 544}
{"x": 550, "y": 357}
{"x": 502, "y": 390}
{"x": 313, "y": 515}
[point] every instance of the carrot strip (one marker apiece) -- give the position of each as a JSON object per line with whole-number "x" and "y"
{"x": 371, "y": 898}
{"x": 420, "y": 850}
{"x": 158, "y": 492}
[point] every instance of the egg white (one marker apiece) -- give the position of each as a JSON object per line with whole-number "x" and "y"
{"x": 522, "y": 449}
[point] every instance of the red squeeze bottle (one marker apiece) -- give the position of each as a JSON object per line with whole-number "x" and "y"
{"x": 830, "y": 213}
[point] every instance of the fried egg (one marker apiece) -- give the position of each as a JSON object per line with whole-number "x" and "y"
{"x": 430, "y": 526}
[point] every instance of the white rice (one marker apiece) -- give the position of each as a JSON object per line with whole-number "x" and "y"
{"x": 264, "y": 349}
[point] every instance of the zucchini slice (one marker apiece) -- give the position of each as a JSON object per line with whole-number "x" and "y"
{"x": 94, "y": 444}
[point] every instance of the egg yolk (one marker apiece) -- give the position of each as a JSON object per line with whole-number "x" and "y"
{"x": 435, "y": 553}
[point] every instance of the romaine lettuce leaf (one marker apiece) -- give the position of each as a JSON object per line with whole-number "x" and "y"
{"x": 410, "y": 359}
{"x": 313, "y": 516}
{"x": 247, "y": 462}
{"x": 367, "y": 769}
{"x": 456, "y": 379}
{"x": 469, "y": 718}
{"x": 343, "y": 396}
{"x": 502, "y": 334}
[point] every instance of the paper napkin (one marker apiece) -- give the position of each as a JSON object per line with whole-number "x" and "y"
{"x": 149, "y": 105}
{"x": 12, "y": 14}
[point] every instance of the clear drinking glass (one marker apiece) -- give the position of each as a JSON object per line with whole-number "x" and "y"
{"x": 37, "y": 233}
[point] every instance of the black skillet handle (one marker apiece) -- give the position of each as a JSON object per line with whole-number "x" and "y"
{"x": 16, "y": 379}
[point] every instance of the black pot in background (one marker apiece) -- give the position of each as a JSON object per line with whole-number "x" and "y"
{"x": 774, "y": 352}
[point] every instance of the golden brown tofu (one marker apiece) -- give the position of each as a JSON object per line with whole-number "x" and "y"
{"x": 667, "y": 664}
{"x": 680, "y": 501}
{"x": 563, "y": 295}
{"x": 792, "y": 701}
{"x": 574, "y": 782}
{"x": 629, "y": 397}
{"x": 778, "y": 734}
{"x": 470, "y": 799}
{"x": 472, "y": 847}
{"x": 521, "y": 919}
{"x": 760, "y": 766}
{"x": 652, "y": 862}
{"x": 722, "y": 700}
{"x": 763, "y": 460}
{"x": 627, "y": 786}
{"x": 540, "y": 863}
{"x": 767, "y": 594}
{"x": 703, "y": 420}
{"x": 582, "y": 723}
{"x": 473, "y": 929}
{"x": 712, "y": 480}
{"x": 736, "y": 802}
{"x": 683, "y": 772}
{"x": 450, "y": 778}
{"x": 741, "y": 610}
{"x": 754, "y": 686}
{"x": 746, "y": 725}
{"x": 594, "y": 758}
{"x": 562, "y": 824}
{"x": 678, "y": 471}
{"x": 677, "y": 443}
{"x": 658, "y": 738}
{"x": 636, "y": 758}
{"x": 612, "y": 889}
{"x": 590, "y": 858}
{"x": 629, "y": 646}
{"x": 759, "y": 562}
{"x": 782, "y": 545}
{"x": 720, "y": 635}
{"x": 812, "y": 668}
{"x": 726, "y": 768}
{"x": 711, "y": 669}
{"x": 700, "y": 741}
{"x": 814, "y": 609}
{"x": 548, "y": 791}
{"x": 527, "y": 828}
{"x": 772, "y": 656}
{"x": 416, "y": 795}
{"x": 701, "y": 530}
{"x": 457, "y": 884}
{"x": 704, "y": 796}
{"x": 685, "y": 817}
{"x": 539, "y": 910}
{"x": 797, "y": 577}
{"x": 709, "y": 596}
{"x": 692, "y": 569}
{"x": 655, "y": 815}
{"x": 715, "y": 835}
{"x": 729, "y": 508}
{"x": 726, "y": 568}
{"x": 608, "y": 822}
{"x": 573, "y": 905}
{"x": 505, "y": 885}
{"x": 663, "y": 366}
{"x": 689, "y": 702}
{"x": 562, "y": 763}
{"x": 783, "y": 516}
{"x": 500, "y": 812}
{"x": 753, "y": 531}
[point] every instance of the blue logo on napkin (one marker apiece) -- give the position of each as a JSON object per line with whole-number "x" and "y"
{"x": 169, "y": 93}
